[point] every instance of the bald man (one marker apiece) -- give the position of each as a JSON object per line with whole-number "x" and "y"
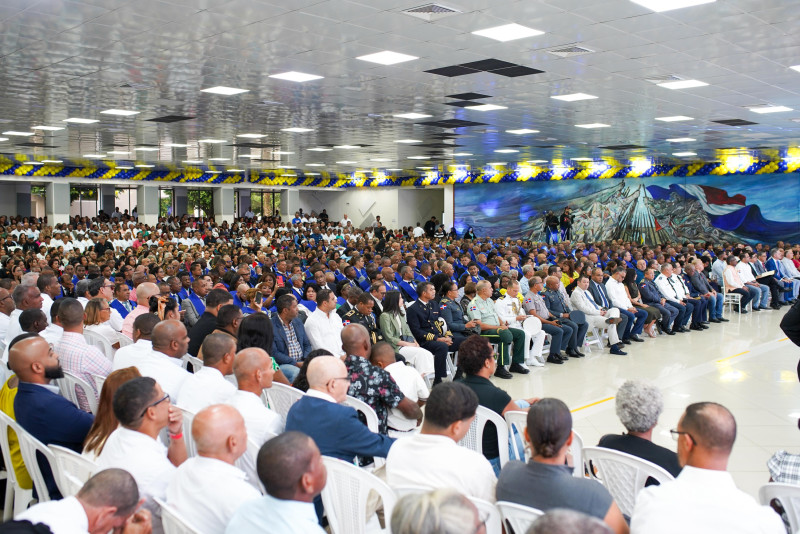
{"x": 208, "y": 488}
{"x": 38, "y": 406}
{"x": 208, "y": 386}
{"x": 170, "y": 341}
{"x": 254, "y": 371}
{"x": 144, "y": 291}
{"x": 704, "y": 497}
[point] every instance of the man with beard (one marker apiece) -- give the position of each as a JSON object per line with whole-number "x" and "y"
{"x": 38, "y": 407}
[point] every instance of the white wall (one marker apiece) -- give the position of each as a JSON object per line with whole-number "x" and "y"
{"x": 419, "y": 205}
{"x": 8, "y": 199}
{"x": 361, "y": 205}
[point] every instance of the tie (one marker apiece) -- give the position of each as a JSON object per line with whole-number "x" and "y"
{"x": 602, "y": 292}
{"x": 590, "y": 299}
{"x": 672, "y": 285}
{"x": 777, "y": 269}
{"x": 563, "y": 304}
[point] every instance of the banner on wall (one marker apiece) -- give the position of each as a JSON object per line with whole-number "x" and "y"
{"x": 756, "y": 208}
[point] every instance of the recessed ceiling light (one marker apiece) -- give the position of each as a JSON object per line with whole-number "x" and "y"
{"x": 537, "y": 161}
{"x": 22, "y": 134}
{"x": 681, "y": 139}
{"x": 417, "y": 157}
{"x": 320, "y": 149}
{"x": 315, "y": 164}
{"x": 408, "y": 141}
{"x": 119, "y": 152}
{"x": 412, "y": 116}
{"x": 574, "y": 97}
{"x": 682, "y": 84}
{"x": 218, "y": 159}
{"x": 120, "y": 112}
{"x": 236, "y": 170}
{"x": 193, "y": 161}
{"x": 508, "y": 32}
{"x": 52, "y": 161}
{"x": 32, "y": 163}
{"x": 387, "y": 58}
{"x": 522, "y": 131}
{"x": 770, "y": 109}
{"x": 146, "y": 149}
{"x": 78, "y": 120}
{"x": 346, "y": 162}
{"x": 297, "y": 130}
{"x": 144, "y": 166}
{"x": 667, "y": 5}
{"x": 462, "y": 153}
{"x": 582, "y": 159}
{"x": 506, "y": 150}
{"x": 48, "y": 128}
{"x": 681, "y": 154}
{"x": 176, "y": 145}
{"x": 486, "y": 107}
{"x": 497, "y": 163}
{"x": 347, "y": 147}
{"x": 380, "y": 159}
{"x": 251, "y": 135}
{"x": 674, "y": 118}
{"x": 222, "y": 90}
{"x": 593, "y": 125}
{"x": 282, "y": 153}
{"x": 212, "y": 141}
{"x": 94, "y": 156}
{"x": 293, "y": 76}
{"x": 123, "y": 168}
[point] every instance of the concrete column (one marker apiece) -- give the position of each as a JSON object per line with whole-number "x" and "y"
{"x": 449, "y": 207}
{"x": 57, "y": 203}
{"x": 23, "y": 198}
{"x": 147, "y": 204}
{"x": 223, "y": 205}
{"x": 244, "y": 201}
{"x": 107, "y": 199}
{"x": 180, "y": 201}
{"x": 290, "y": 203}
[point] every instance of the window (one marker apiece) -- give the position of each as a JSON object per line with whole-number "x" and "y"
{"x": 200, "y": 202}
{"x": 83, "y": 201}
{"x": 265, "y": 202}
{"x": 166, "y": 202}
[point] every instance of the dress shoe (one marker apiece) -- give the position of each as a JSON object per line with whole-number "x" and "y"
{"x": 683, "y": 329}
{"x": 519, "y": 369}
{"x": 615, "y": 349}
{"x": 615, "y": 320}
{"x": 744, "y": 311}
{"x": 502, "y": 373}
{"x": 626, "y": 341}
{"x": 775, "y": 307}
{"x": 575, "y": 354}
{"x": 704, "y": 326}
{"x": 723, "y": 319}
{"x": 564, "y": 357}
{"x": 704, "y": 322}
{"x": 669, "y": 332}
{"x": 756, "y": 309}
{"x": 554, "y": 359}
{"x": 715, "y": 320}
{"x": 636, "y": 338}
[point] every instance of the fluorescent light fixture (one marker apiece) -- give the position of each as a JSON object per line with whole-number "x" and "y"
{"x": 682, "y": 84}
{"x": 486, "y": 107}
{"x": 412, "y": 116}
{"x": 78, "y": 120}
{"x": 347, "y": 162}
{"x": 534, "y": 161}
{"x": 574, "y": 97}
{"x": 123, "y": 168}
{"x": 193, "y": 161}
{"x": 251, "y": 135}
{"x": 177, "y": 145}
{"x": 394, "y": 170}
{"x": 425, "y": 168}
{"x": 52, "y": 161}
{"x": 222, "y": 90}
{"x": 48, "y": 128}
{"x": 497, "y": 163}
{"x": 94, "y": 156}
{"x": 770, "y": 109}
{"x": 286, "y": 166}
{"x": 674, "y": 118}
{"x": 508, "y": 32}
{"x": 347, "y": 147}
{"x": 506, "y": 150}
{"x": 120, "y": 112}
{"x": 417, "y": 157}
{"x": 582, "y": 159}
{"x": 311, "y": 173}
{"x": 408, "y": 141}
{"x": 282, "y": 153}
{"x": 219, "y": 159}
{"x": 146, "y": 149}
{"x": 668, "y": 5}
{"x": 22, "y": 134}
{"x": 293, "y": 76}
{"x": 387, "y": 57}
{"x": 681, "y": 139}
{"x": 248, "y": 156}
{"x": 522, "y": 131}
{"x": 144, "y": 166}
{"x": 297, "y": 130}
{"x": 32, "y": 163}
{"x": 212, "y": 141}
{"x": 213, "y": 172}
{"x": 682, "y": 154}
{"x": 3, "y": 138}
{"x": 462, "y": 153}
{"x": 641, "y": 165}
{"x": 119, "y": 152}
{"x": 380, "y": 159}
{"x": 593, "y": 125}
{"x": 320, "y": 149}
{"x": 236, "y": 170}
{"x": 315, "y": 164}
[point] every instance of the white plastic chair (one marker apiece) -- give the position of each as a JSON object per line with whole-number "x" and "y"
{"x": 346, "y": 495}
{"x": 190, "y": 361}
{"x": 17, "y": 498}
{"x": 68, "y": 386}
{"x": 97, "y": 340}
{"x": 188, "y": 417}
{"x": 172, "y": 521}
{"x": 494, "y": 521}
{"x": 594, "y": 337}
{"x": 98, "y": 382}
{"x": 517, "y": 421}
{"x": 474, "y": 438}
{"x": 532, "y": 326}
{"x": 370, "y": 416}
{"x": 576, "y": 450}
{"x": 247, "y": 463}
{"x": 71, "y": 470}
{"x": 124, "y": 341}
{"x": 30, "y": 447}
{"x": 452, "y": 356}
{"x": 789, "y": 497}
{"x": 732, "y": 299}
{"x": 518, "y": 517}
{"x": 623, "y": 475}
{"x": 280, "y": 398}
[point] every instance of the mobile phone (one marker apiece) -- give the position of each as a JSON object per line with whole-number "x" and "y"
{"x": 259, "y": 297}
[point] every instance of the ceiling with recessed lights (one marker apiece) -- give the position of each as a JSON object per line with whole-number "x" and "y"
{"x": 342, "y": 85}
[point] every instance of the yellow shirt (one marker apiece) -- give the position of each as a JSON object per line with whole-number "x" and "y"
{"x": 7, "y": 396}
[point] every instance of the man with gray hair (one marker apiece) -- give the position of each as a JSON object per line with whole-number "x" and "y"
{"x": 638, "y": 405}
{"x": 528, "y": 271}
{"x": 564, "y": 521}
{"x": 25, "y": 298}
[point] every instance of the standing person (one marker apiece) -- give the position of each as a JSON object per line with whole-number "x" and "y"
{"x": 551, "y": 227}
{"x": 565, "y": 223}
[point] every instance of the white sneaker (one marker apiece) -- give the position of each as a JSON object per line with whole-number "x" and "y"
{"x": 535, "y": 363}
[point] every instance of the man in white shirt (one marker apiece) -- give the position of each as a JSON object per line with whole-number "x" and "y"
{"x": 50, "y": 288}
{"x": 761, "y": 293}
{"x": 25, "y": 297}
{"x": 704, "y": 497}
{"x": 324, "y": 326}
{"x": 408, "y": 380}
{"x": 108, "y": 501}
{"x": 674, "y": 295}
{"x": 254, "y": 370}
{"x": 433, "y": 458}
{"x": 209, "y": 488}
{"x": 619, "y": 298}
{"x": 509, "y": 310}
{"x": 130, "y": 355}
{"x": 345, "y": 221}
{"x": 170, "y": 342}
{"x": 208, "y": 385}
{"x": 6, "y": 309}
{"x": 418, "y": 231}
{"x": 596, "y": 316}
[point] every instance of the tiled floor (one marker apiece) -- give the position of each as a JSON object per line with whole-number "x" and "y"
{"x": 747, "y": 365}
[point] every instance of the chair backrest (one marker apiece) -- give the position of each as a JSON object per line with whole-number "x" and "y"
{"x": 346, "y": 494}
{"x": 124, "y": 341}
{"x": 789, "y": 497}
{"x": 190, "y": 362}
{"x": 7, "y": 424}
{"x": 532, "y": 325}
{"x": 366, "y": 409}
{"x": 98, "y": 382}
{"x": 31, "y": 448}
{"x": 191, "y": 447}
{"x": 280, "y": 398}
{"x": 517, "y": 421}
{"x": 518, "y": 517}
{"x": 576, "y": 450}
{"x": 172, "y": 521}
{"x": 247, "y": 463}
{"x": 494, "y": 523}
{"x": 474, "y": 438}
{"x": 71, "y": 470}
{"x": 68, "y": 386}
{"x": 623, "y": 475}
{"x": 97, "y": 340}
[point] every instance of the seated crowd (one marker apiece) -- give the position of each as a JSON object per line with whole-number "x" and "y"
{"x": 176, "y": 336}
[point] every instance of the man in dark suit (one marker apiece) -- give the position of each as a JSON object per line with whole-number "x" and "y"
{"x": 208, "y": 320}
{"x": 290, "y": 344}
{"x": 38, "y": 407}
{"x": 758, "y": 264}
{"x": 652, "y": 296}
{"x": 422, "y": 319}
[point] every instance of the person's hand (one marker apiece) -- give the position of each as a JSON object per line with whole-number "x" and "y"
{"x": 471, "y": 324}
{"x": 532, "y": 400}
{"x": 565, "y": 315}
{"x": 138, "y": 523}
{"x": 502, "y": 327}
{"x": 521, "y": 317}
{"x": 175, "y": 425}
{"x": 632, "y": 309}
{"x": 663, "y": 301}
{"x": 256, "y": 305}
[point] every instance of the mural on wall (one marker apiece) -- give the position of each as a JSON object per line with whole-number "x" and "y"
{"x": 754, "y": 208}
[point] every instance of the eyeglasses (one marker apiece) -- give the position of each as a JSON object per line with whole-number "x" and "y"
{"x": 676, "y": 434}
{"x": 156, "y": 403}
